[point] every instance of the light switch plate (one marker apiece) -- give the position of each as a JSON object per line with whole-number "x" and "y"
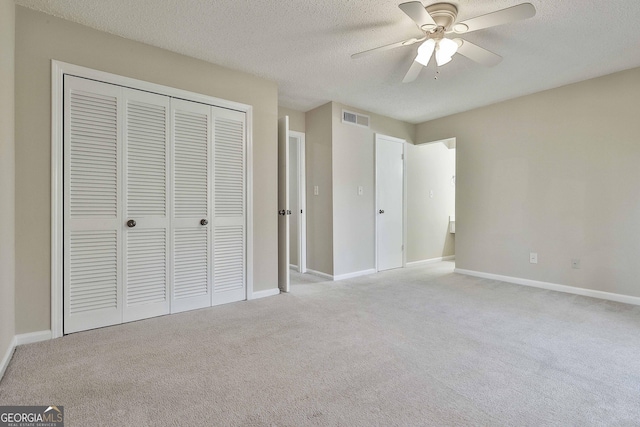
{"x": 316, "y": 191}
{"x": 533, "y": 257}
{"x": 360, "y": 190}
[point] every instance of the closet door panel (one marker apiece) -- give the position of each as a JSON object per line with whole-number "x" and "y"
{"x": 229, "y": 263}
{"x": 146, "y": 183}
{"x": 191, "y": 124}
{"x": 154, "y": 205}
{"x": 92, "y": 232}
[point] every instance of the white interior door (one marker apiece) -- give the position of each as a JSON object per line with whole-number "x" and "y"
{"x": 283, "y": 204}
{"x": 92, "y": 217}
{"x": 230, "y": 205}
{"x": 389, "y": 202}
{"x": 145, "y": 225}
{"x": 191, "y": 124}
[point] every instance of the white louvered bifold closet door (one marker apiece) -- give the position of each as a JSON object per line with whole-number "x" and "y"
{"x": 92, "y": 221}
{"x": 191, "y": 124}
{"x": 154, "y": 205}
{"x": 146, "y": 201}
{"x": 229, "y": 249}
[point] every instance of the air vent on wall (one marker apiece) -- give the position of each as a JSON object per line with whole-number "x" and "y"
{"x": 355, "y": 118}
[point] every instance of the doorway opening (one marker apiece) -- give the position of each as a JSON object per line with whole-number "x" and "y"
{"x": 297, "y": 203}
{"x": 431, "y": 194}
{"x": 292, "y": 205}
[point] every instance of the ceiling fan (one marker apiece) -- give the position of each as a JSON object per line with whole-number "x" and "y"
{"x": 438, "y": 21}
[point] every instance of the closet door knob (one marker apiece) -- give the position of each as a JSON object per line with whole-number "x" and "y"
{"x": 381, "y": 211}
{"x": 131, "y": 223}
{"x": 204, "y": 222}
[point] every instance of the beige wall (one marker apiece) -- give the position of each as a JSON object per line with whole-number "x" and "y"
{"x": 554, "y": 173}
{"x": 340, "y": 157}
{"x": 379, "y": 124}
{"x": 430, "y": 167}
{"x": 41, "y": 38}
{"x": 318, "y": 173}
{"x": 353, "y": 217}
{"x": 296, "y": 118}
{"x": 354, "y": 165}
{"x": 7, "y": 177}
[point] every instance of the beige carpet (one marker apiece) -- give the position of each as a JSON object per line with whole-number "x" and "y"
{"x": 304, "y": 279}
{"x": 419, "y": 346}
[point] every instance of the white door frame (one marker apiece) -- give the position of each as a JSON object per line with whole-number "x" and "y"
{"x": 404, "y": 197}
{"x": 58, "y": 70}
{"x": 302, "y": 198}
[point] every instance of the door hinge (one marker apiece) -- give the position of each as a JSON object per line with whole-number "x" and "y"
{"x": 401, "y": 156}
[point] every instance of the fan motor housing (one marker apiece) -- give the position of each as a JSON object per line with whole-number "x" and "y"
{"x": 444, "y": 14}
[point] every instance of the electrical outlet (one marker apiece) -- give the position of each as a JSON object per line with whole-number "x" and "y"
{"x": 533, "y": 257}
{"x": 316, "y": 191}
{"x": 575, "y": 263}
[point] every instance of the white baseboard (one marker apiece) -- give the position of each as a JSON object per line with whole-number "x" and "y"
{"x": 32, "y": 337}
{"x": 294, "y": 267}
{"x": 320, "y": 274}
{"x": 264, "y": 294}
{"x": 4, "y": 364}
{"x": 627, "y": 299}
{"x": 20, "y": 340}
{"x": 354, "y": 274}
{"x": 431, "y": 261}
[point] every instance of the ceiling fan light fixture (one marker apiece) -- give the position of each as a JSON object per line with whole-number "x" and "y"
{"x": 445, "y": 49}
{"x": 443, "y": 61}
{"x": 428, "y": 27}
{"x": 425, "y": 51}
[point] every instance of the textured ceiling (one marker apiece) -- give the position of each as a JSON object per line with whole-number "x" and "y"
{"x": 305, "y": 46}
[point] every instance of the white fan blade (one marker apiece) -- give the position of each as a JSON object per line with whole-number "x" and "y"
{"x": 500, "y": 17}
{"x": 418, "y": 13}
{"x": 408, "y": 42}
{"x": 413, "y": 72}
{"x": 476, "y": 53}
